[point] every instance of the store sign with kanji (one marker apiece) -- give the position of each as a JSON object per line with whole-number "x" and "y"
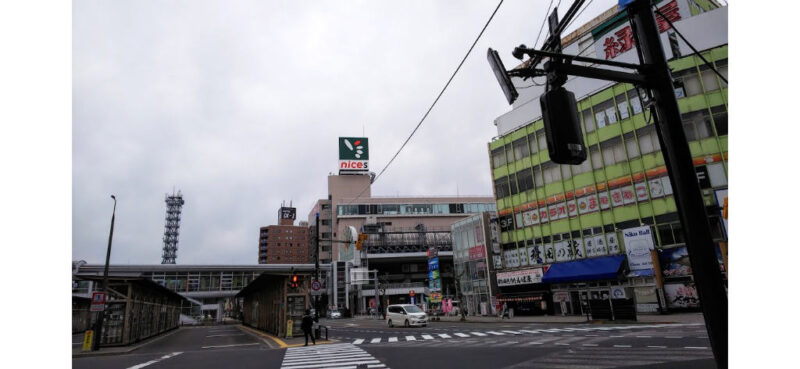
{"x": 620, "y": 40}
{"x": 518, "y": 277}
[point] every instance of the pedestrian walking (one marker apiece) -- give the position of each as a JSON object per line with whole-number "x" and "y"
{"x": 505, "y": 312}
{"x": 308, "y": 322}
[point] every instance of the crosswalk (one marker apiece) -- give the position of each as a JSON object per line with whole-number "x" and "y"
{"x": 333, "y": 356}
{"x": 510, "y": 333}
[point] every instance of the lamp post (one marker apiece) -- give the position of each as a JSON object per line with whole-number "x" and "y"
{"x": 101, "y": 315}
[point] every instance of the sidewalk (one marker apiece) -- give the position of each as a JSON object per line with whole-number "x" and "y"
{"x": 275, "y": 342}
{"x": 77, "y": 350}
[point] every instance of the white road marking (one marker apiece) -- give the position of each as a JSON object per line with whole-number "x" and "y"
{"x": 527, "y": 331}
{"x": 375, "y": 340}
{"x": 657, "y": 346}
{"x": 512, "y": 332}
{"x": 427, "y": 337}
{"x": 234, "y": 345}
{"x": 142, "y": 365}
{"x": 622, "y": 345}
{"x": 358, "y": 341}
{"x": 496, "y": 333}
{"x": 411, "y": 338}
{"x": 534, "y": 343}
{"x": 589, "y": 344}
{"x": 672, "y": 337}
{"x": 696, "y": 348}
{"x": 479, "y": 334}
{"x": 444, "y": 335}
{"x": 328, "y": 357}
{"x": 392, "y": 339}
{"x": 644, "y": 336}
{"x": 461, "y": 334}
{"x": 562, "y": 344}
{"x": 225, "y": 335}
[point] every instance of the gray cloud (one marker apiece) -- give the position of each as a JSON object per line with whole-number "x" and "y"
{"x": 239, "y": 105}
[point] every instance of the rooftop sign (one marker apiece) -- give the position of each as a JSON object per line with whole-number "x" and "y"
{"x": 353, "y": 155}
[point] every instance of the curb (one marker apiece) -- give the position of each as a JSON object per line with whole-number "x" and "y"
{"x": 277, "y": 340}
{"x": 122, "y": 350}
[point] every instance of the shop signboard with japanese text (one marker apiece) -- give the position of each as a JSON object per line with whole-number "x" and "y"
{"x": 519, "y": 277}
{"x": 638, "y": 243}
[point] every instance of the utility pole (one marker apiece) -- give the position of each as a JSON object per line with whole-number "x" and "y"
{"x": 653, "y": 75}
{"x": 101, "y": 315}
{"x": 316, "y": 261}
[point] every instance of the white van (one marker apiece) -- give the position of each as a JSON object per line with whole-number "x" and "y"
{"x": 406, "y": 315}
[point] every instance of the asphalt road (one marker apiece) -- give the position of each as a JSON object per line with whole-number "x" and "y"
{"x": 440, "y": 345}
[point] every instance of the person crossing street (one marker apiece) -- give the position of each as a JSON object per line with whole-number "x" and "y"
{"x": 307, "y": 323}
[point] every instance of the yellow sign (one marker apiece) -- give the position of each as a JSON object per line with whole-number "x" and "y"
{"x": 87, "y": 340}
{"x": 289, "y": 325}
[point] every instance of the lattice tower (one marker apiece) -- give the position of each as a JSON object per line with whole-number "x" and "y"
{"x": 172, "y": 227}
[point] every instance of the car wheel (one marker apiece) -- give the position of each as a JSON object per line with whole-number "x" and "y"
{"x": 390, "y": 324}
{"x": 407, "y": 325}
{"x": 424, "y": 325}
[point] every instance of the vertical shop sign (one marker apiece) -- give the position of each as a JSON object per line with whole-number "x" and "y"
{"x": 638, "y": 243}
{"x": 549, "y": 254}
{"x": 572, "y": 208}
{"x": 628, "y": 195}
{"x": 605, "y": 201}
{"x": 616, "y": 197}
{"x": 536, "y": 254}
{"x": 612, "y": 243}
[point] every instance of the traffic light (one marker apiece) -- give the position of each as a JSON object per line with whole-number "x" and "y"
{"x": 294, "y": 281}
{"x": 562, "y": 127}
{"x": 361, "y": 238}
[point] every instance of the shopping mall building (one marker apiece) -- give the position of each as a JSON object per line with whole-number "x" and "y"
{"x": 584, "y": 232}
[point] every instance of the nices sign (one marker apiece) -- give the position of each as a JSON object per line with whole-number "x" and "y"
{"x": 353, "y": 165}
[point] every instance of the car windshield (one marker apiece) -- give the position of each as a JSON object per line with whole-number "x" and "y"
{"x": 412, "y": 309}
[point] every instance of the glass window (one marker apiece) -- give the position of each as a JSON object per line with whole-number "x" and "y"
{"x": 608, "y": 149}
{"x": 498, "y": 157}
{"x": 521, "y": 148}
{"x": 588, "y": 121}
{"x": 542, "y": 140}
{"x": 622, "y": 106}
{"x": 722, "y": 68}
{"x": 630, "y": 145}
{"x": 710, "y": 81}
{"x": 665, "y": 234}
{"x": 597, "y": 160}
{"x": 509, "y": 154}
{"x": 524, "y": 180}
{"x": 691, "y": 81}
{"x": 566, "y": 171}
{"x": 720, "y": 115}
{"x": 646, "y": 142}
{"x": 532, "y": 146}
{"x": 696, "y": 125}
{"x": 537, "y": 177}
{"x": 552, "y": 172}
{"x": 584, "y": 167}
{"x": 605, "y": 113}
{"x": 716, "y": 175}
{"x": 501, "y": 187}
{"x": 635, "y": 102}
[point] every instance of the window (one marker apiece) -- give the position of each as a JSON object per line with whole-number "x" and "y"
{"x": 584, "y": 167}
{"x": 566, "y": 171}
{"x": 630, "y": 145}
{"x": 532, "y": 146}
{"x": 537, "y": 177}
{"x": 521, "y": 148}
{"x": 597, "y": 160}
{"x": 696, "y": 125}
{"x": 501, "y": 187}
{"x": 622, "y": 106}
{"x": 509, "y": 154}
{"x": 552, "y": 172}
{"x": 512, "y": 184}
{"x": 710, "y": 81}
{"x": 720, "y": 115}
{"x": 498, "y": 157}
{"x": 605, "y": 113}
{"x": 588, "y": 121}
{"x": 690, "y": 80}
{"x": 613, "y": 151}
{"x": 722, "y": 68}
{"x": 525, "y": 180}
{"x": 634, "y": 101}
{"x": 542, "y": 140}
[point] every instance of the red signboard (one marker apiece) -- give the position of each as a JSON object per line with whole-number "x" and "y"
{"x": 98, "y": 301}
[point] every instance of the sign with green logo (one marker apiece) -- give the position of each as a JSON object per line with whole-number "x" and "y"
{"x": 353, "y": 154}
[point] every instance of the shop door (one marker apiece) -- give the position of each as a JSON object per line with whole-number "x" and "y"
{"x": 575, "y": 303}
{"x": 599, "y": 305}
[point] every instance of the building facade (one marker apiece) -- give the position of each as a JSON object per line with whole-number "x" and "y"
{"x": 612, "y": 209}
{"x": 475, "y": 249}
{"x": 399, "y": 231}
{"x": 284, "y": 243}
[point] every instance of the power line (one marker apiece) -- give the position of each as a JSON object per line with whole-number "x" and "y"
{"x": 539, "y": 35}
{"x": 434, "y": 102}
{"x": 690, "y": 45}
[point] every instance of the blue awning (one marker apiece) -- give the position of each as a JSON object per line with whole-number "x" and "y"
{"x": 606, "y": 267}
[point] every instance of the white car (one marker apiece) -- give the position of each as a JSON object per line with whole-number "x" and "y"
{"x": 336, "y": 314}
{"x": 406, "y": 315}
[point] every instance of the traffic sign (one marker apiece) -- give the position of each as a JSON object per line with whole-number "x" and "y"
{"x": 98, "y": 301}
{"x": 315, "y": 285}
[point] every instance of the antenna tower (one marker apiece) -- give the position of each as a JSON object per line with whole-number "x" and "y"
{"x": 172, "y": 227}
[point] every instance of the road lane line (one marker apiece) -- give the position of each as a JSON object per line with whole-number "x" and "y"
{"x": 358, "y": 341}
{"x": 234, "y": 345}
{"x": 375, "y": 340}
{"x": 496, "y": 333}
{"x": 225, "y": 335}
{"x": 427, "y": 337}
{"x": 142, "y": 365}
{"x": 622, "y": 345}
{"x": 443, "y": 335}
{"x": 696, "y": 348}
{"x": 411, "y": 338}
{"x": 590, "y": 344}
{"x": 392, "y": 339}
{"x": 461, "y": 334}
{"x": 512, "y": 332}
{"x": 479, "y": 334}
{"x": 657, "y": 346}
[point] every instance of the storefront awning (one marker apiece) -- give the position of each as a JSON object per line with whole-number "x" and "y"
{"x": 606, "y": 267}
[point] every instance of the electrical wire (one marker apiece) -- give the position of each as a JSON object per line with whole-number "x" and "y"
{"x": 433, "y": 104}
{"x": 539, "y": 35}
{"x": 708, "y": 64}
{"x": 578, "y": 15}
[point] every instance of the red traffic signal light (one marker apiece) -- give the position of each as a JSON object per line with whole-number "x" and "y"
{"x": 294, "y": 281}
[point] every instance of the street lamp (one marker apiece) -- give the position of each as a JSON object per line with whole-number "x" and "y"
{"x": 99, "y": 324}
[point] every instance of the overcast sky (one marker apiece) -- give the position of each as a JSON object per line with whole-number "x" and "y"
{"x": 239, "y": 104}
